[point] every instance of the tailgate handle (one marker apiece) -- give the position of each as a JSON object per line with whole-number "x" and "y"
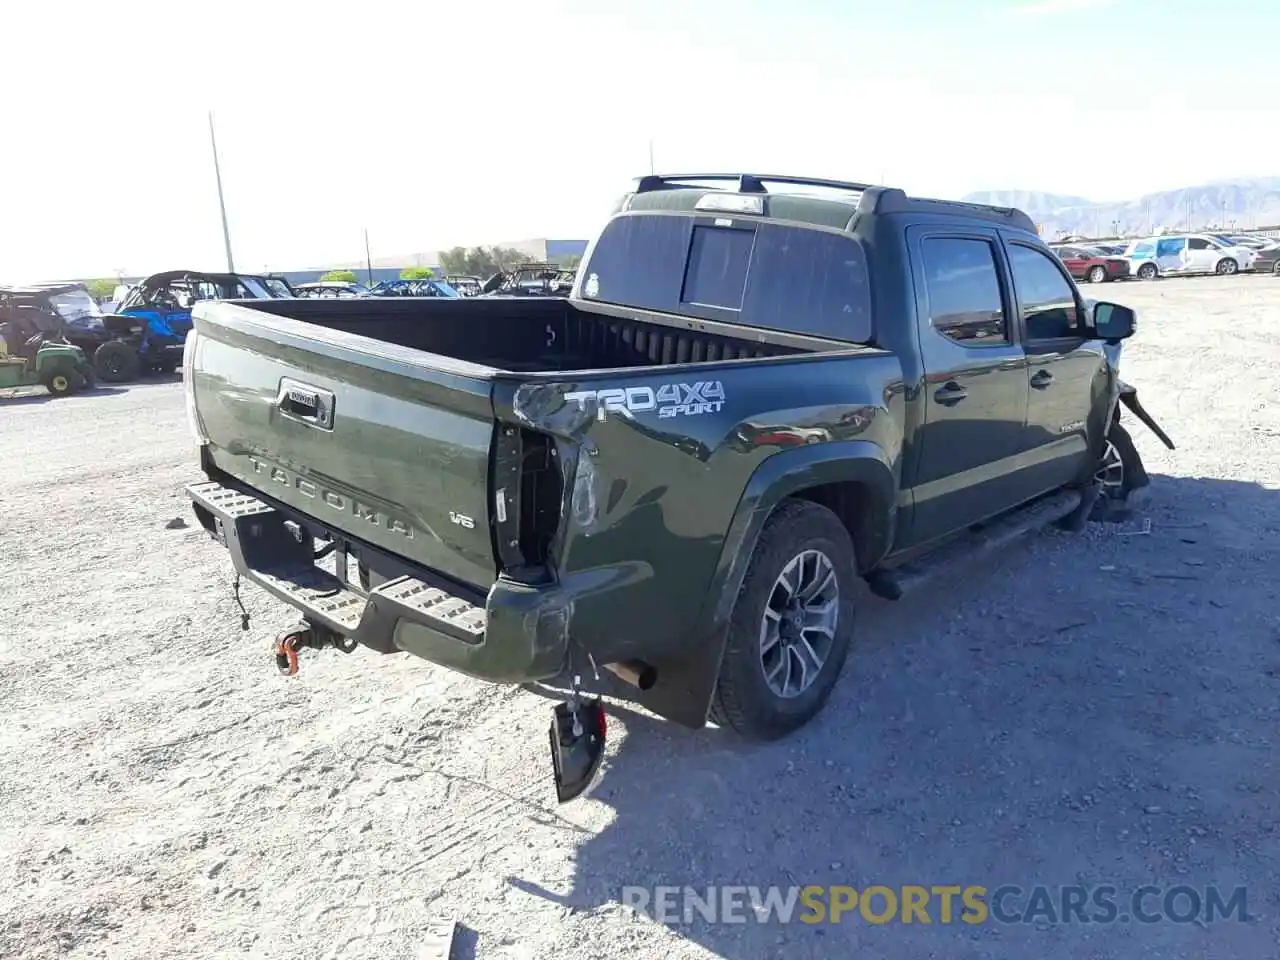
{"x": 305, "y": 404}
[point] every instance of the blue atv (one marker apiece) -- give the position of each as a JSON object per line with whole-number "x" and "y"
{"x": 148, "y": 332}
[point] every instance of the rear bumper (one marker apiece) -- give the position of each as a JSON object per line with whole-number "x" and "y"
{"x": 519, "y": 634}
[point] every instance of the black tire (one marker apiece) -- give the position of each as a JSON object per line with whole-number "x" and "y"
{"x": 743, "y": 700}
{"x": 1098, "y": 274}
{"x": 1116, "y": 500}
{"x": 116, "y": 362}
{"x": 1226, "y": 267}
{"x": 1275, "y": 269}
{"x": 1148, "y": 271}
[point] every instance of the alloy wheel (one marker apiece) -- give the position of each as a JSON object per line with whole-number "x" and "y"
{"x": 798, "y": 628}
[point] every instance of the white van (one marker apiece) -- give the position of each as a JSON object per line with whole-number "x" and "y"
{"x": 1186, "y": 253}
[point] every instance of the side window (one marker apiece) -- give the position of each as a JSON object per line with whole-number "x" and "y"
{"x": 1047, "y": 297}
{"x": 965, "y": 302}
{"x": 1198, "y": 243}
{"x": 1170, "y": 246}
{"x": 809, "y": 281}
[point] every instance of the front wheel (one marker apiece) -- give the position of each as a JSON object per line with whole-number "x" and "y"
{"x": 791, "y": 627}
{"x": 116, "y": 362}
{"x": 1119, "y": 473}
{"x": 1226, "y": 267}
{"x": 1097, "y": 274}
{"x": 1147, "y": 271}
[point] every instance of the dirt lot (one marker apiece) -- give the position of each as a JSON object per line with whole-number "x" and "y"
{"x": 1098, "y": 709}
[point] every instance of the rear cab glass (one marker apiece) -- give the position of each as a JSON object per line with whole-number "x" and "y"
{"x": 757, "y": 273}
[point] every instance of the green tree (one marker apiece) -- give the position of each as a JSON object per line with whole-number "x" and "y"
{"x": 339, "y": 276}
{"x": 455, "y": 260}
{"x": 481, "y": 261}
{"x": 417, "y": 273}
{"x": 101, "y": 289}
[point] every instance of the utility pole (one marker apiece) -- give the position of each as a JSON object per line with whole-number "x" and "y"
{"x": 368, "y": 259}
{"x": 651, "y": 167}
{"x": 222, "y": 207}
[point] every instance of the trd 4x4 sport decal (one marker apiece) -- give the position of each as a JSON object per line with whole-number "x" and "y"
{"x": 669, "y": 399}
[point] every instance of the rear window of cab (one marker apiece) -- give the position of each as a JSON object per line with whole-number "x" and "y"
{"x": 734, "y": 269}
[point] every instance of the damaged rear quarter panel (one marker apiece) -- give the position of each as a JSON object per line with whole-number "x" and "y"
{"x": 651, "y": 492}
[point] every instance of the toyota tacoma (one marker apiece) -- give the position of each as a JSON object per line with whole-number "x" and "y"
{"x": 760, "y": 396}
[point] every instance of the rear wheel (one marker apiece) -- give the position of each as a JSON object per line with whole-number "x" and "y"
{"x": 1147, "y": 271}
{"x": 116, "y": 362}
{"x": 791, "y": 627}
{"x": 60, "y": 382}
{"x": 1097, "y": 274}
{"x": 1275, "y": 269}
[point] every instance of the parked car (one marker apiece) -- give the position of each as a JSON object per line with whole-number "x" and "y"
{"x": 679, "y": 473}
{"x": 1191, "y": 253}
{"x": 468, "y": 286}
{"x": 414, "y": 288}
{"x": 1086, "y": 263}
{"x": 1108, "y": 249}
{"x": 331, "y": 289}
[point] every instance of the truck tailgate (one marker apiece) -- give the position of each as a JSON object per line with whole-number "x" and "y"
{"x": 381, "y": 442}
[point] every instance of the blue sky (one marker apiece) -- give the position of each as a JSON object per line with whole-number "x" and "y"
{"x": 329, "y": 115}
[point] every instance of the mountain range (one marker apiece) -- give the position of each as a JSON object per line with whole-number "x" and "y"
{"x": 1236, "y": 205}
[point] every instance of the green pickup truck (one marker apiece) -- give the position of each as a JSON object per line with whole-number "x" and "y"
{"x": 762, "y": 395}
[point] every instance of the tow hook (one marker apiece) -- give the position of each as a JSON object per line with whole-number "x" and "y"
{"x": 577, "y": 745}
{"x": 286, "y": 650}
{"x": 291, "y": 641}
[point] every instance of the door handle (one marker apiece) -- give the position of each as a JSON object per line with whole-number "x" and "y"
{"x": 1041, "y": 379}
{"x": 951, "y": 393}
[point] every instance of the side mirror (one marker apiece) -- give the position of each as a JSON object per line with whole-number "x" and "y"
{"x": 1113, "y": 322}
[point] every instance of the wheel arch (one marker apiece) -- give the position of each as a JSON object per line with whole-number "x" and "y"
{"x": 854, "y": 479}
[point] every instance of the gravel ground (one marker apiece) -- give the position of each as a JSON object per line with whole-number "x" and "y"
{"x": 1096, "y": 709}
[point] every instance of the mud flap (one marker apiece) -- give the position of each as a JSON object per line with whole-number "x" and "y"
{"x": 577, "y": 745}
{"x": 1129, "y": 397}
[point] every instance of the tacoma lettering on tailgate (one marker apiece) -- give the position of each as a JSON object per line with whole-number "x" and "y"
{"x": 331, "y": 498}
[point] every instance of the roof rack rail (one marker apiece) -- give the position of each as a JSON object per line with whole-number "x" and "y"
{"x": 747, "y": 182}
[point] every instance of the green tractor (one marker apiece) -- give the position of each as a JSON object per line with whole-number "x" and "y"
{"x": 60, "y": 367}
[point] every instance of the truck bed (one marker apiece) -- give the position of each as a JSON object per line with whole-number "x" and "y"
{"x": 524, "y": 335}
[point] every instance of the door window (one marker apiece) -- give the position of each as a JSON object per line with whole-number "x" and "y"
{"x": 1198, "y": 243}
{"x": 1047, "y": 297}
{"x": 963, "y": 286}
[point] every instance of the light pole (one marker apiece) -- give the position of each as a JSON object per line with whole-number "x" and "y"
{"x": 222, "y": 207}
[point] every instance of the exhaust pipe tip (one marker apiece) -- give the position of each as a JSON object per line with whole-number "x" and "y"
{"x": 635, "y": 672}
